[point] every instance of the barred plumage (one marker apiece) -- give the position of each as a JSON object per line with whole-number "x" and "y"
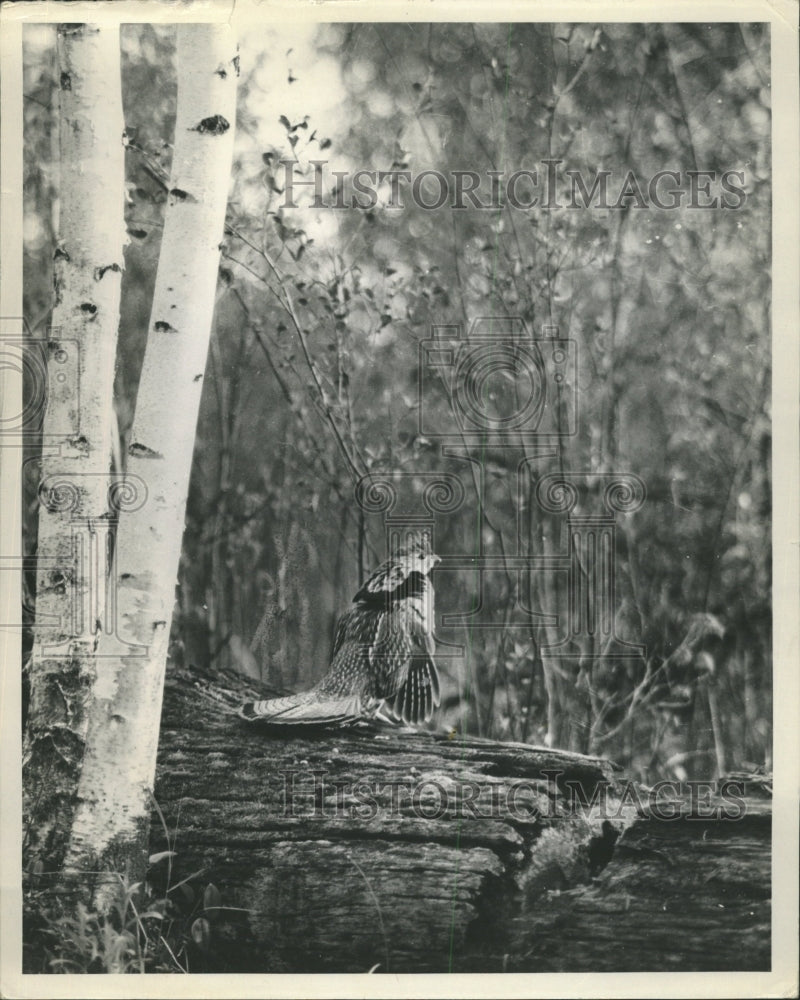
{"x": 382, "y": 655}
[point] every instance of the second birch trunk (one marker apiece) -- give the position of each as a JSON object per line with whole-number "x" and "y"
{"x": 109, "y": 832}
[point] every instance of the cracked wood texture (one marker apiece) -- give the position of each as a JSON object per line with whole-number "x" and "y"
{"x": 339, "y": 851}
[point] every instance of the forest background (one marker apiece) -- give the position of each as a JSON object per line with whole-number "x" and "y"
{"x": 314, "y": 377}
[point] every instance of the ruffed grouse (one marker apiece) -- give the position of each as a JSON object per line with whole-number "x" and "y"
{"x": 382, "y": 654}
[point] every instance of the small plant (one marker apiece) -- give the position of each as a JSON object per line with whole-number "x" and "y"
{"x": 146, "y": 930}
{"x": 84, "y": 941}
{"x": 130, "y": 938}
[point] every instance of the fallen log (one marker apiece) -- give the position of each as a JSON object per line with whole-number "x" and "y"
{"x": 346, "y": 850}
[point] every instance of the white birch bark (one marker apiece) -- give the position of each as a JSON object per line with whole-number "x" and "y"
{"x": 119, "y": 766}
{"x": 76, "y": 454}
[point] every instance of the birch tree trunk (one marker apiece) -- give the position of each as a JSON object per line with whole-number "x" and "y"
{"x": 75, "y": 463}
{"x": 110, "y": 828}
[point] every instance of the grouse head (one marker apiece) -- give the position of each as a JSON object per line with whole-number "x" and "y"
{"x": 414, "y": 550}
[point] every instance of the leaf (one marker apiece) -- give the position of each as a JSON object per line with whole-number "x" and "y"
{"x": 201, "y": 933}
{"x": 211, "y": 897}
{"x": 285, "y": 122}
{"x": 159, "y": 856}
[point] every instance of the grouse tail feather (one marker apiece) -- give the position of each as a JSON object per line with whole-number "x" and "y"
{"x": 419, "y": 695}
{"x": 305, "y": 709}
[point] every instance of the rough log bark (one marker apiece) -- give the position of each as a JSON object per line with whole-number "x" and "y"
{"x": 418, "y": 852}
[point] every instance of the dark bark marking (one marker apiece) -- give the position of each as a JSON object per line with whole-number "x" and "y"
{"x": 137, "y": 450}
{"x": 215, "y": 125}
{"x": 161, "y": 326}
{"x": 80, "y": 443}
{"x": 58, "y": 580}
{"x": 61, "y": 254}
{"x": 65, "y": 81}
{"x": 89, "y": 309}
{"x": 198, "y": 377}
{"x": 100, "y": 271}
{"x": 180, "y": 195}
{"x": 221, "y": 72}
{"x": 235, "y": 63}
{"x": 139, "y": 234}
